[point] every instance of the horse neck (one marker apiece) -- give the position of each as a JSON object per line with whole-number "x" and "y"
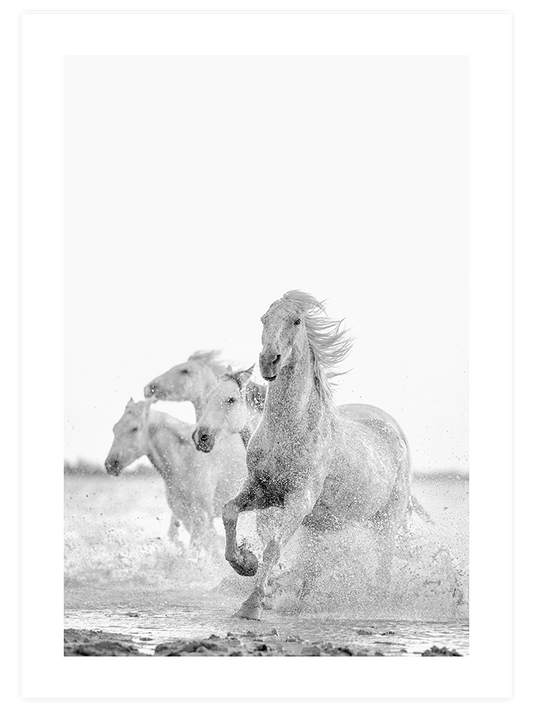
{"x": 255, "y": 397}
{"x": 200, "y": 400}
{"x": 253, "y": 420}
{"x": 161, "y": 442}
{"x": 293, "y": 395}
{"x": 199, "y": 404}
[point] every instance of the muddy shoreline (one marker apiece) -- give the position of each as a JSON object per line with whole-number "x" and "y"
{"x": 96, "y": 643}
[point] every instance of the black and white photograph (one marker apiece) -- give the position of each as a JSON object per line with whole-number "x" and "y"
{"x": 269, "y": 271}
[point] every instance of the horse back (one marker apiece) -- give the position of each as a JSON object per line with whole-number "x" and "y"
{"x": 370, "y": 466}
{"x": 359, "y": 412}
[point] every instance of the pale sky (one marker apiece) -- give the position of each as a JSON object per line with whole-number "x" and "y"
{"x": 199, "y": 190}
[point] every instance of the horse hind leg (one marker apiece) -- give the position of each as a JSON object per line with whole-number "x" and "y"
{"x": 387, "y": 524}
{"x": 393, "y": 518}
{"x": 311, "y": 566}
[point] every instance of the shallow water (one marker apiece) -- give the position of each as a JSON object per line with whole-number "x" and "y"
{"x": 122, "y": 574}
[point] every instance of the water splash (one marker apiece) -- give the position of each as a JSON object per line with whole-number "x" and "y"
{"x": 426, "y": 583}
{"x": 115, "y": 537}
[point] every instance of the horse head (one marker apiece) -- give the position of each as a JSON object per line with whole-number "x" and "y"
{"x": 129, "y": 441}
{"x": 226, "y": 410}
{"x": 187, "y": 381}
{"x": 283, "y": 337}
{"x": 298, "y": 322}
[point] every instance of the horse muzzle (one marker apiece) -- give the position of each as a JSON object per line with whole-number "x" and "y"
{"x": 203, "y": 439}
{"x": 269, "y": 364}
{"x": 113, "y": 467}
{"x": 152, "y": 390}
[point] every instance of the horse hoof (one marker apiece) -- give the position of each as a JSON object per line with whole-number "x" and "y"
{"x": 246, "y": 564}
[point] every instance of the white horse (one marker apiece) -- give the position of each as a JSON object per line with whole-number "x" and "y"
{"x": 194, "y": 381}
{"x": 235, "y": 406}
{"x": 191, "y": 381}
{"x": 321, "y": 468}
{"x": 196, "y": 486}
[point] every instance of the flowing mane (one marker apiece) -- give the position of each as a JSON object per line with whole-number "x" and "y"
{"x": 328, "y": 341}
{"x": 210, "y": 358}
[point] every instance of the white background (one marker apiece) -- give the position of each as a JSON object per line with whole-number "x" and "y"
{"x": 200, "y": 189}
{"x": 273, "y": 227}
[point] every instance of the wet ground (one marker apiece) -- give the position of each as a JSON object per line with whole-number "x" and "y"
{"x": 96, "y": 643}
{"x": 124, "y": 577}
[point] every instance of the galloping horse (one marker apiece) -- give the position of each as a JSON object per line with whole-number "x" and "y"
{"x": 191, "y": 381}
{"x": 196, "y": 486}
{"x": 322, "y": 468}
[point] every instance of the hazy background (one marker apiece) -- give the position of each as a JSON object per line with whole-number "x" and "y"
{"x": 199, "y": 189}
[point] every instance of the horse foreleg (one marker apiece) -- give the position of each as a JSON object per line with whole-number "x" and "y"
{"x": 242, "y": 560}
{"x": 294, "y": 511}
{"x": 174, "y": 525}
{"x": 173, "y": 533}
{"x": 266, "y": 522}
{"x": 203, "y": 533}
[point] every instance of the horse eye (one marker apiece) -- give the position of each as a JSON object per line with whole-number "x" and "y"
{"x": 298, "y": 322}
{"x": 185, "y": 371}
{"x": 231, "y": 400}
{"x": 134, "y": 429}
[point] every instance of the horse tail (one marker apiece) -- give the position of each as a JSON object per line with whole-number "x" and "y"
{"x": 417, "y": 507}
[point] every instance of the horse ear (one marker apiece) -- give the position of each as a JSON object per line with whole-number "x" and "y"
{"x": 243, "y": 376}
{"x": 229, "y": 370}
{"x": 130, "y": 404}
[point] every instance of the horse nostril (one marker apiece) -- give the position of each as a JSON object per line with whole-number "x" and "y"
{"x": 276, "y": 359}
{"x": 204, "y": 437}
